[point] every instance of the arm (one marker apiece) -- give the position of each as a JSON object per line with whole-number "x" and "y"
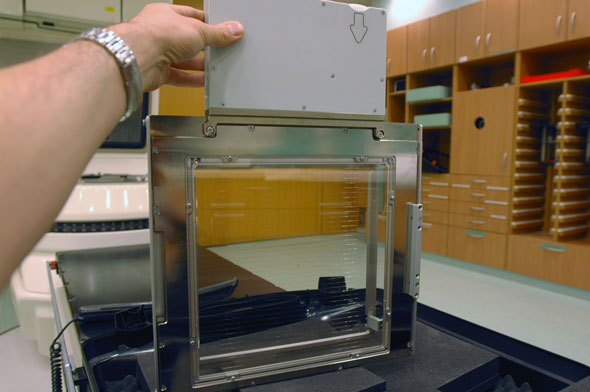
{"x": 56, "y": 111}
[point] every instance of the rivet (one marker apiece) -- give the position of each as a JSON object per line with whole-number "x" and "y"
{"x": 189, "y": 206}
{"x": 230, "y": 158}
{"x": 209, "y": 131}
{"x": 161, "y": 345}
{"x": 163, "y": 388}
{"x": 333, "y": 76}
{"x": 251, "y": 128}
{"x": 155, "y": 150}
{"x": 156, "y": 211}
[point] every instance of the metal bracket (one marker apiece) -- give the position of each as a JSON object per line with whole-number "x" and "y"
{"x": 413, "y": 248}
{"x": 281, "y": 118}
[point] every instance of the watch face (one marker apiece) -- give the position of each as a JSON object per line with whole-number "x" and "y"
{"x": 130, "y": 133}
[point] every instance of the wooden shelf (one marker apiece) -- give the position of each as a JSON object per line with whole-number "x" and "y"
{"x": 431, "y": 101}
{"x": 398, "y": 93}
{"x": 441, "y": 128}
{"x": 547, "y": 83}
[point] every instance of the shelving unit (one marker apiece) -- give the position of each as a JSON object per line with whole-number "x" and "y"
{"x": 518, "y": 180}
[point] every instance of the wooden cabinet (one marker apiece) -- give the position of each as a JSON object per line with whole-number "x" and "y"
{"x": 565, "y": 263}
{"x": 477, "y": 247}
{"x": 542, "y": 22}
{"x": 470, "y": 31}
{"x": 397, "y": 51}
{"x": 434, "y": 237}
{"x": 577, "y": 19}
{"x": 501, "y": 26}
{"x": 431, "y": 42}
{"x": 483, "y": 123}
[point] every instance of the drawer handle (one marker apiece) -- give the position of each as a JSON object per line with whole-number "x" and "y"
{"x": 558, "y": 24}
{"x": 478, "y": 194}
{"x": 572, "y": 21}
{"x": 426, "y": 225}
{"x": 426, "y": 214}
{"x": 477, "y": 41}
{"x": 473, "y": 208}
{"x": 479, "y": 181}
{"x": 488, "y": 39}
{"x": 389, "y": 65}
{"x": 476, "y": 222}
{"x": 426, "y": 202}
{"x": 475, "y": 234}
{"x": 424, "y": 57}
{"x": 426, "y": 190}
{"x": 553, "y": 248}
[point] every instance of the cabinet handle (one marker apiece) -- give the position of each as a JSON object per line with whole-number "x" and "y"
{"x": 432, "y": 56}
{"x": 426, "y": 225}
{"x": 426, "y": 214}
{"x": 488, "y": 38}
{"x": 477, "y": 181}
{"x": 472, "y": 208}
{"x": 426, "y": 190}
{"x": 504, "y": 161}
{"x": 477, "y": 41}
{"x": 553, "y": 248}
{"x": 426, "y": 203}
{"x": 389, "y": 65}
{"x": 424, "y": 56}
{"x": 475, "y": 234}
{"x": 572, "y": 21}
{"x": 476, "y": 222}
{"x": 478, "y": 194}
{"x": 558, "y": 24}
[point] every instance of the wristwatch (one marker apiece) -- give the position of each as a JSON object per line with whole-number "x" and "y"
{"x": 126, "y": 62}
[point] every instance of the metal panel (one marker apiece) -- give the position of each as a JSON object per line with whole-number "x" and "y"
{"x": 305, "y": 55}
{"x": 177, "y": 141}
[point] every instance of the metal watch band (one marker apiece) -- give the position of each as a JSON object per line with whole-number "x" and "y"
{"x": 126, "y": 61}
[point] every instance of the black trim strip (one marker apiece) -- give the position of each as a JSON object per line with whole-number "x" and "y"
{"x": 100, "y": 227}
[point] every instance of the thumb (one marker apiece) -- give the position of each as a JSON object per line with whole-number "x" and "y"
{"x": 222, "y": 34}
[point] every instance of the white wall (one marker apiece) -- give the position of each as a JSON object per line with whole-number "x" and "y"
{"x": 402, "y": 12}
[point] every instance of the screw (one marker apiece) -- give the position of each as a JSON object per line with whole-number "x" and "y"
{"x": 392, "y": 197}
{"x": 222, "y": 103}
{"x": 210, "y": 132}
{"x": 339, "y": 367}
{"x": 189, "y": 206}
{"x": 230, "y": 158}
{"x": 333, "y": 76}
{"x": 380, "y": 134}
{"x": 304, "y": 107}
{"x": 213, "y": 68}
{"x": 383, "y": 13}
{"x": 233, "y": 378}
{"x": 374, "y": 110}
{"x": 251, "y": 128}
{"x": 156, "y": 211}
{"x": 161, "y": 345}
{"x": 155, "y": 150}
{"x": 163, "y": 388}
{"x": 382, "y": 80}
{"x": 409, "y": 345}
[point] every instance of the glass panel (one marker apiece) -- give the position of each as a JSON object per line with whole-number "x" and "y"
{"x": 284, "y": 262}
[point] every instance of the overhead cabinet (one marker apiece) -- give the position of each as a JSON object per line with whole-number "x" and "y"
{"x": 431, "y": 42}
{"x": 546, "y": 22}
{"x": 397, "y": 51}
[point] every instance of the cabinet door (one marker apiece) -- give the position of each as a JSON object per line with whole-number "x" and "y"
{"x": 542, "y": 22}
{"x": 578, "y": 16}
{"x": 501, "y": 32}
{"x": 442, "y": 39}
{"x": 481, "y": 140}
{"x": 418, "y": 45}
{"x": 470, "y": 22}
{"x": 397, "y": 51}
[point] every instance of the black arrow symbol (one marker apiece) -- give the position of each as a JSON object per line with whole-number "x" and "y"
{"x": 359, "y": 30}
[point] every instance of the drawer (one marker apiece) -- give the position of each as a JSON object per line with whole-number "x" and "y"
{"x": 481, "y": 182}
{"x": 434, "y": 238}
{"x": 478, "y": 209}
{"x": 480, "y": 223}
{"x": 477, "y": 247}
{"x": 559, "y": 262}
{"x": 436, "y": 216}
{"x": 435, "y": 190}
{"x": 435, "y": 202}
{"x": 480, "y": 195}
{"x": 435, "y": 179}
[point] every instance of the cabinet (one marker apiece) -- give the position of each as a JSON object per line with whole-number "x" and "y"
{"x": 483, "y": 131}
{"x": 397, "y": 51}
{"x": 477, "y": 246}
{"x": 470, "y": 30}
{"x": 501, "y": 26}
{"x": 431, "y": 42}
{"x": 542, "y": 22}
{"x": 578, "y": 15}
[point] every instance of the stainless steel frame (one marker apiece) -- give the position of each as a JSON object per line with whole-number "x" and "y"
{"x": 180, "y": 144}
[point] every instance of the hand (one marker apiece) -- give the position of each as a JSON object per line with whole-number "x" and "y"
{"x": 166, "y": 40}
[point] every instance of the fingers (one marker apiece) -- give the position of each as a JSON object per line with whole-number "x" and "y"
{"x": 190, "y": 12}
{"x": 222, "y": 34}
{"x": 197, "y": 63}
{"x": 185, "y": 79}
